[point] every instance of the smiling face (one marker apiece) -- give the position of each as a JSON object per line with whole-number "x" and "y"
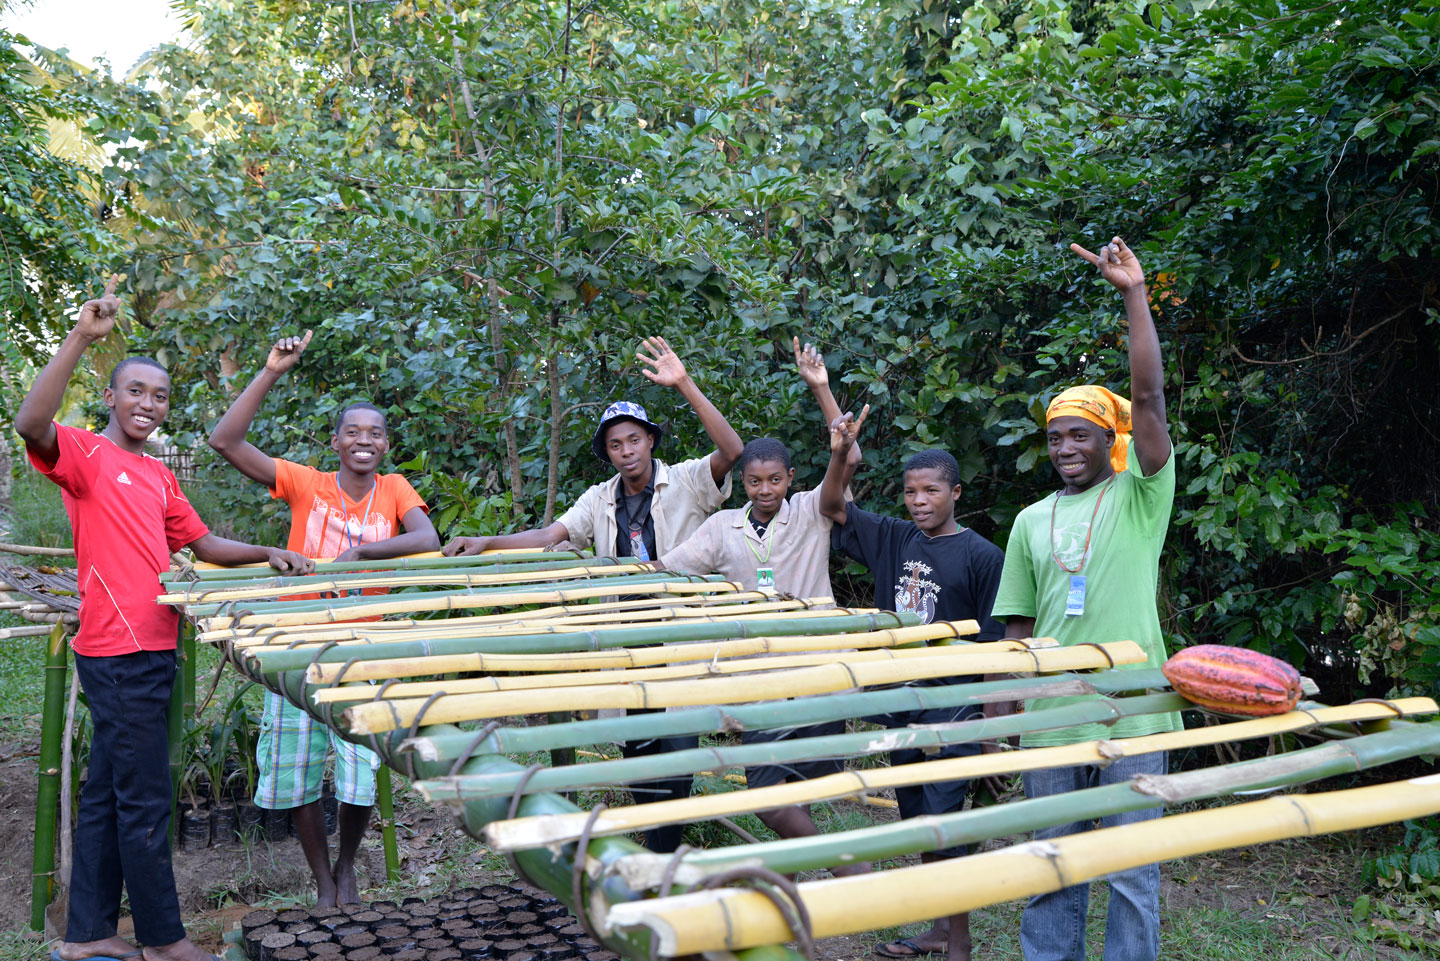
{"x": 766, "y": 484}
{"x": 629, "y": 446}
{"x": 931, "y": 501}
{"x": 138, "y": 402}
{"x": 1080, "y": 451}
{"x": 361, "y": 440}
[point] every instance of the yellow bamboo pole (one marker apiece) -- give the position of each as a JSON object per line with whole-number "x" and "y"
{"x": 415, "y": 603}
{"x": 520, "y": 624}
{"x": 531, "y": 832}
{"x": 379, "y": 717}
{"x": 732, "y": 919}
{"x": 676, "y": 608}
{"x": 486, "y": 685}
{"x": 386, "y": 669}
{"x": 422, "y": 578}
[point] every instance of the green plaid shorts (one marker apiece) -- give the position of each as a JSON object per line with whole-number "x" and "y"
{"x": 291, "y": 752}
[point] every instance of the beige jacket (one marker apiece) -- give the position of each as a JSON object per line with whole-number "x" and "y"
{"x": 685, "y": 495}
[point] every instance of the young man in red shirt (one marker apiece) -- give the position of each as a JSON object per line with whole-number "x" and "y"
{"x": 128, "y": 514}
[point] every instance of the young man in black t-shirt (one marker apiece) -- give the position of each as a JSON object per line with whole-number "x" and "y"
{"x": 931, "y": 566}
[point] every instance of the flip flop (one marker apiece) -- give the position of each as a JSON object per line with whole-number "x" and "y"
{"x": 55, "y": 956}
{"x": 915, "y": 951}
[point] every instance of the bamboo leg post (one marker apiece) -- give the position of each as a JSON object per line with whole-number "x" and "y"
{"x": 48, "y": 793}
{"x": 385, "y": 798}
{"x": 188, "y": 665}
{"x": 175, "y": 732}
{"x": 560, "y": 756}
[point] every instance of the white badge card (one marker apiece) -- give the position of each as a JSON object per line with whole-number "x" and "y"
{"x": 1075, "y": 600}
{"x": 765, "y": 576}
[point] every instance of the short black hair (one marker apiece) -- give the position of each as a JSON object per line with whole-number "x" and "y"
{"x": 128, "y": 361}
{"x": 935, "y": 459}
{"x": 360, "y": 405}
{"x": 764, "y": 449}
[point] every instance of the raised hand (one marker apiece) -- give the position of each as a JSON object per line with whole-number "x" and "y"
{"x": 97, "y": 317}
{"x": 1117, "y": 264}
{"x": 465, "y": 546}
{"x": 668, "y": 369}
{"x": 845, "y": 428}
{"x": 286, "y": 353}
{"x": 811, "y": 364}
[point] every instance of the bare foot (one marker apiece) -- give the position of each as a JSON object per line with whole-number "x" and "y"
{"x": 934, "y": 941}
{"x": 347, "y": 886}
{"x": 850, "y": 870}
{"x": 182, "y": 950}
{"x": 113, "y": 946}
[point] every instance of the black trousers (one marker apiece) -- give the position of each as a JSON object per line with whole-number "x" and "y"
{"x": 665, "y": 838}
{"x": 122, "y": 832}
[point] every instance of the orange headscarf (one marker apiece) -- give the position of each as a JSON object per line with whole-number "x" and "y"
{"x": 1098, "y": 406}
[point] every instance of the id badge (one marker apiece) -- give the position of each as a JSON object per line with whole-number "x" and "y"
{"x": 765, "y": 577}
{"x": 637, "y": 547}
{"x": 1075, "y": 600}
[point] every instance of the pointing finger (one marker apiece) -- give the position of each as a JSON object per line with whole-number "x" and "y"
{"x": 1093, "y": 258}
{"x": 860, "y": 421}
{"x": 110, "y": 287}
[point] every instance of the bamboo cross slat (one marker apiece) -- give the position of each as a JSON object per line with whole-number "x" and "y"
{"x": 692, "y": 668}
{"x": 381, "y": 669}
{"x": 381, "y": 716}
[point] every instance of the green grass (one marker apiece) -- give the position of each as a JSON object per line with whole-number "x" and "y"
{"x": 20, "y": 946}
{"x": 39, "y": 517}
{"x": 22, "y": 683}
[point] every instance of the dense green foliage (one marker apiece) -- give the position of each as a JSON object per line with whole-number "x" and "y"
{"x": 481, "y": 206}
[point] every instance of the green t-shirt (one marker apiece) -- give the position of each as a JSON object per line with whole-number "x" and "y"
{"x": 1121, "y": 573}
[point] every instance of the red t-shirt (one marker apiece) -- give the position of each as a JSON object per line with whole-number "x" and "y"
{"x": 325, "y": 522}
{"x": 128, "y": 514}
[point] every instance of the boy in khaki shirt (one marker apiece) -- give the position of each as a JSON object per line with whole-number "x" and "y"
{"x": 783, "y": 545}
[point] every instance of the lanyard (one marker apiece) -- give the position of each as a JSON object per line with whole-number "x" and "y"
{"x": 769, "y": 540}
{"x": 1084, "y": 554}
{"x": 350, "y": 534}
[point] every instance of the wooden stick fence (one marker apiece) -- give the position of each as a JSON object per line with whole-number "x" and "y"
{"x": 480, "y": 641}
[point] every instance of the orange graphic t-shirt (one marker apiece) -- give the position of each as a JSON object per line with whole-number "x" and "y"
{"x": 326, "y": 522}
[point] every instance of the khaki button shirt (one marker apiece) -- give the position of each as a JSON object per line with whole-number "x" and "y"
{"x": 798, "y": 542}
{"x": 685, "y": 495}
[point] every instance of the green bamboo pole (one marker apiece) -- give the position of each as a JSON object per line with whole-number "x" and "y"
{"x": 175, "y": 734}
{"x": 427, "y": 561}
{"x": 47, "y": 795}
{"x": 384, "y": 798}
{"x": 189, "y": 664}
{"x": 620, "y": 583}
{"x": 467, "y": 787}
{"x": 269, "y": 661}
{"x": 935, "y": 833}
{"x": 765, "y": 715}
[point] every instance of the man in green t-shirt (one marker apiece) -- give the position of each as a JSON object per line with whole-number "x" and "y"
{"x": 1082, "y": 567}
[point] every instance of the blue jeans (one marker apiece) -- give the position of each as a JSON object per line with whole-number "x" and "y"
{"x": 1053, "y": 926}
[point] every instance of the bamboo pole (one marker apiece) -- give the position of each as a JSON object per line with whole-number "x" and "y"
{"x": 772, "y": 714}
{"x": 676, "y": 607}
{"x": 526, "y": 625}
{"x": 7, "y": 633}
{"x": 381, "y": 716}
{"x": 467, "y": 787}
{"x": 938, "y": 832}
{"x": 42, "y": 885}
{"x": 270, "y": 661}
{"x": 342, "y": 609}
{"x": 732, "y": 919}
{"x": 386, "y": 669}
{"x": 715, "y": 666}
{"x": 384, "y": 799}
{"x": 516, "y": 834}
{"x": 204, "y": 571}
{"x": 206, "y": 602}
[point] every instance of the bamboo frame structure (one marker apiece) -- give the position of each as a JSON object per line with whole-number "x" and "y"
{"x": 540, "y": 634}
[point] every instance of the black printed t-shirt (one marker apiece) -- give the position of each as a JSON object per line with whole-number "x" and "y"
{"x": 949, "y": 578}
